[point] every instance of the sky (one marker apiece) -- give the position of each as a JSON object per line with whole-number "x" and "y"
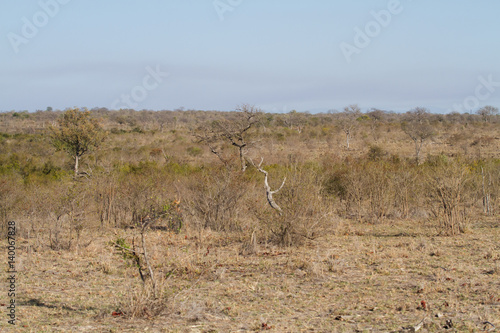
{"x": 278, "y": 55}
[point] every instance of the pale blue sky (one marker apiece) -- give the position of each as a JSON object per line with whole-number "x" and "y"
{"x": 278, "y": 55}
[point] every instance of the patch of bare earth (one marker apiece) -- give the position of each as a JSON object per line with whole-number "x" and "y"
{"x": 367, "y": 278}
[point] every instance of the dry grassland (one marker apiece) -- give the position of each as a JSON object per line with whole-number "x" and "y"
{"x": 365, "y": 278}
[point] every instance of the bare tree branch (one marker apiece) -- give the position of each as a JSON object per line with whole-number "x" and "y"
{"x": 269, "y": 192}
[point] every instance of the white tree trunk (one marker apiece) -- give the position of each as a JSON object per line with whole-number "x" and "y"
{"x": 76, "y": 165}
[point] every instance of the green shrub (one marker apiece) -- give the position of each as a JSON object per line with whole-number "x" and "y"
{"x": 376, "y": 153}
{"x": 194, "y": 151}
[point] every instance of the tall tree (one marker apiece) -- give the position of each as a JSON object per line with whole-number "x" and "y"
{"x": 77, "y": 133}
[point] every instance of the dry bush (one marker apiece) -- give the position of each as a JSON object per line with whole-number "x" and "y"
{"x": 346, "y": 184}
{"x": 105, "y": 190}
{"x": 55, "y": 215}
{"x": 407, "y": 191}
{"x": 450, "y": 195}
{"x": 490, "y": 187}
{"x": 375, "y": 189}
{"x": 71, "y": 216}
{"x": 134, "y": 193}
{"x": 379, "y": 188}
{"x": 306, "y": 213}
{"x": 142, "y": 303}
{"x": 215, "y": 199}
{"x": 11, "y": 194}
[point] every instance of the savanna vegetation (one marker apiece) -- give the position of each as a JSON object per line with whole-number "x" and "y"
{"x": 198, "y": 221}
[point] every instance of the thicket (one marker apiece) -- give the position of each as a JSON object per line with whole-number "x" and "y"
{"x": 154, "y": 165}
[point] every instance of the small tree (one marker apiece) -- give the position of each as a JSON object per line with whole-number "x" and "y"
{"x": 234, "y": 131}
{"x": 487, "y": 112}
{"x": 295, "y": 120}
{"x": 418, "y": 128}
{"x": 377, "y": 117}
{"x": 77, "y": 134}
{"x": 348, "y": 123}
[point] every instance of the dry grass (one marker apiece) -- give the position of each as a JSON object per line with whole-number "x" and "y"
{"x": 366, "y": 278}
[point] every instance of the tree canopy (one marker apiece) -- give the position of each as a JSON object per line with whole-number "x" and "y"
{"x": 77, "y": 133}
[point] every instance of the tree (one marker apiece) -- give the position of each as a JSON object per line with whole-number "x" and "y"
{"x": 233, "y": 131}
{"x": 487, "y": 112}
{"x": 348, "y": 122}
{"x": 376, "y": 118}
{"x": 418, "y": 128}
{"x": 77, "y": 134}
{"x": 295, "y": 120}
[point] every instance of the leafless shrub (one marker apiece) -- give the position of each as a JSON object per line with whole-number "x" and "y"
{"x": 55, "y": 215}
{"x": 70, "y": 217}
{"x": 306, "y": 213}
{"x": 450, "y": 195}
{"x": 379, "y": 188}
{"x": 215, "y": 199}
{"x": 490, "y": 187}
{"x": 406, "y": 190}
{"x": 10, "y": 196}
{"x": 105, "y": 191}
{"x": 136, "y": 194}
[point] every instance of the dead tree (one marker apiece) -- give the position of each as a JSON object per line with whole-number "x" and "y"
{"x": 269, "y": 192}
